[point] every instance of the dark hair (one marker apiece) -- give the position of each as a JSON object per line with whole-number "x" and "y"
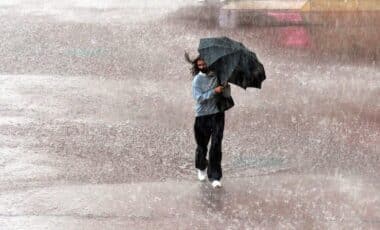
{"x": 194, "y": 68}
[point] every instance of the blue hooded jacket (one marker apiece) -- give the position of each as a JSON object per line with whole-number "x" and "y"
{"x": 203, "y": 93}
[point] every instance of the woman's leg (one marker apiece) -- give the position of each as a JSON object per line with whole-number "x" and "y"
{"x": 202, "y": 135}
{"x": 214, "y": 170}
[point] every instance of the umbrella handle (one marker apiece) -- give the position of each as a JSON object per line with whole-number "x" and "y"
{"x": 224, "y": 84}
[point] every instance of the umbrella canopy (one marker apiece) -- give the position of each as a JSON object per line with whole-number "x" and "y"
{"x": 232, "y": 62}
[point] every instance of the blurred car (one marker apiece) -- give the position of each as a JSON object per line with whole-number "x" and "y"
{"x": 341, "y": 27}
{"x": 285, "y": 12}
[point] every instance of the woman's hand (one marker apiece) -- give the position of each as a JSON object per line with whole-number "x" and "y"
{"x": 219, "y": 89}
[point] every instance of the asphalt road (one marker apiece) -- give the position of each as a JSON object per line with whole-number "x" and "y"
{"x": 96, "y": 125}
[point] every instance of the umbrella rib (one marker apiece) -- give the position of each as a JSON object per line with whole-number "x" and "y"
{"x": 231, "y": 52}
{"x": 226, "y": 55}
{"x": 225, "y": 47}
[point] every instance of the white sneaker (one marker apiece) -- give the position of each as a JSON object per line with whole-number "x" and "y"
{"x": 202, "y": 174}
{"x": 216, "y": 184}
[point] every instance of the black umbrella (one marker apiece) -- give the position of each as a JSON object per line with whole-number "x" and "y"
{"x": 232, "y": 62}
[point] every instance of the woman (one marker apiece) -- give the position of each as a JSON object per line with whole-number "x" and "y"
{"x": 209, "y": 121}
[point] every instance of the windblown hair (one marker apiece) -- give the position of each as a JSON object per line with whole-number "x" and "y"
{"x": 194, "y": 67}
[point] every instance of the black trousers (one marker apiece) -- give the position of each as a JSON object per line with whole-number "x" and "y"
{"x": 205, "y": 127}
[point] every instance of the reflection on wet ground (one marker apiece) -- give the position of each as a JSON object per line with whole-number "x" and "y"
{"x": 266, "y": 202}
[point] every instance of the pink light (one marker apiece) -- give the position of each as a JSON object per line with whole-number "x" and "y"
{"x": 294, "y": 37}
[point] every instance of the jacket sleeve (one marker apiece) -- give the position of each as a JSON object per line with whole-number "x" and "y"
{"x": 200, "y": 96}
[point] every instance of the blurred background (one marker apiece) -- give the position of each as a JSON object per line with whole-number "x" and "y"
{"x": 96, "y": 115}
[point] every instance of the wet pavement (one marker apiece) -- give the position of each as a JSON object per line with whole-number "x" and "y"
{"x": 97, "y": 123}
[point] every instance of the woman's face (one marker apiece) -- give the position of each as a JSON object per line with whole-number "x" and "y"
{"x": 202, "y": 66}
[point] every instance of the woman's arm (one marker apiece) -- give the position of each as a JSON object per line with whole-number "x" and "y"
{"x": 200, "y": 96}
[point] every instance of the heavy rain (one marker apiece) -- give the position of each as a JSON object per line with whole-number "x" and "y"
{"x": 97, "y": 116}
